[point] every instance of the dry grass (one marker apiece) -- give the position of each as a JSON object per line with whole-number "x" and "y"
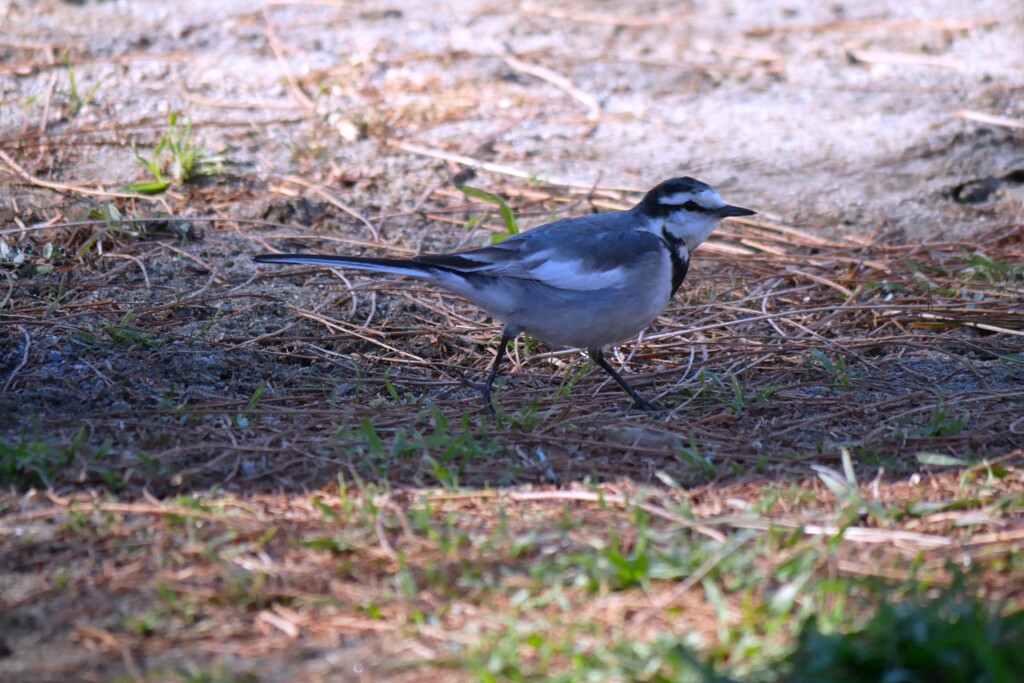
{"x": 304, "y": 482}
{"x": 784, "y": 347}
{"x": 214, "y": 472}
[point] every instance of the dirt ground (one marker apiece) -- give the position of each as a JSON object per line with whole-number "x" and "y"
{"x": 873, "y": 307}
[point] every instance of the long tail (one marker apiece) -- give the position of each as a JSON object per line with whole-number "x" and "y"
{"x": 380, "y": 265}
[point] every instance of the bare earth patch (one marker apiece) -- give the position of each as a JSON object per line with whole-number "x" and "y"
{"x": 219, "y": 472}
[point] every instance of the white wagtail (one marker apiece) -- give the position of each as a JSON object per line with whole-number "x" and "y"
{"x": 583, "y": 282}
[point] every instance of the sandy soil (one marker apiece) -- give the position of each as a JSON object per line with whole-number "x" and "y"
{"x": 834, "y": 117}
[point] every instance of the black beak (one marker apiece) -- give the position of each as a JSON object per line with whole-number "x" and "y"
{"x": 728, "y": 211}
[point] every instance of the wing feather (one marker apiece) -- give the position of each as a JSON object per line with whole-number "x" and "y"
{"x": 569, "y": 256}
{"x": 589, "y": 253}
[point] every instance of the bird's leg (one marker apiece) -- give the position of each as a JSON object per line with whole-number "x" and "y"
{"x": 507, "y": 335}
{"x": 597, "y": 355}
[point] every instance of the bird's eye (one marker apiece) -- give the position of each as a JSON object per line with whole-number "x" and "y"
{"x": 691, "y": 206}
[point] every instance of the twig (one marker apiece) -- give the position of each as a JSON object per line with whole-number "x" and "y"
{"x": 95, "y": 505}
{"x": 62, "y": 187}
{"x": 623, "y": 501}
{"x": 854, "y": 534}
{"x": 555, "y": 79}
{"x": 365, "y": 335}
{"x": 868, "y": 57}
{"x": 868, "y": 25}
{"x": 254, "y": 106}
{"x": 202, "y": 290}
{"x": 966, "y": 323}
{"x": 273, "y": 333}
{"x": 280, "y": 623}
{"x": 137, "y": 261}
{"x": 275, "y": 45}
{"x": 382, "y": 537}
{"x": 128, "y": 57}
{"x": 991, "y": 119}
{"x": 821, "y": 281}
{"x": 48, "y": 99}
{"x": 806, "y": 237}
{"x": 10, "y": 289}
{"x": 207, "y": 268}
{"x": 633, "y": 20}
{"x": 335, "y": 202}
{"x": 21, "y": 363}
{"x": 693, "y": 579}
{"x": 500, "y": 169}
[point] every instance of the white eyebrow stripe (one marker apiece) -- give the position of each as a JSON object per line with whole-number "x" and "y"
{"x": 571, "y": 275}
{"x": 706, "y": 199}
{"x": 677, "y": 199}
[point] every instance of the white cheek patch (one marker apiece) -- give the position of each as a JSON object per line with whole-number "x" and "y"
{"x": 572, "y": 275}
{"x": 693, "y": 229}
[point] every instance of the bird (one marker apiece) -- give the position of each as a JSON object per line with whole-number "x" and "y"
{"x": 584, "y": 282}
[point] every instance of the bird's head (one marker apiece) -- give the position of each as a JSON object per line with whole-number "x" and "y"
{"x": 687, "y": 209}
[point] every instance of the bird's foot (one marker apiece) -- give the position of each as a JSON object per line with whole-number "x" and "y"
{"x": 470, "y": 384}
{"x": 647, "y": 406}
{"x": 485, "y": 392}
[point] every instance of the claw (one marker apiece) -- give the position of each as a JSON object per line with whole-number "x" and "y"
{"x": 649, "y": 407}
{"x": 485, "y": 391}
